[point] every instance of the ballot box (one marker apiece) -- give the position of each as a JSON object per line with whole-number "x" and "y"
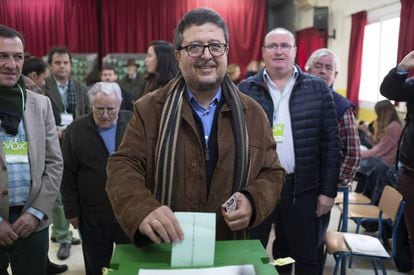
{"x": 128, "y": 259}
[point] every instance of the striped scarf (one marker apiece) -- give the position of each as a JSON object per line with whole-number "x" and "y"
{"x": 165, "y": 153}
{"x": 12, "y": 106}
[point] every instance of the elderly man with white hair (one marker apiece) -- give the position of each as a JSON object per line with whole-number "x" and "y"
{"x": 325, "y": 64}
{"x": 87, "y": 144}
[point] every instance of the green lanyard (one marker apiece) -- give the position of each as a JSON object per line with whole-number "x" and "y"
{"x": 21, "y": 92}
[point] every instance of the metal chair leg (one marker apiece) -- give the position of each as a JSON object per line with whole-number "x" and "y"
{"x": 381, "y": 263}
{"x": 374, "y": 266}
{"x": 350, "y": 262}
{"x": 340, "y": 223}
{"x": 337, "y": 263}
{"x": 357, "y": 227}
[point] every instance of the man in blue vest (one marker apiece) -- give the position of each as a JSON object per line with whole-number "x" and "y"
{"x": 324, "y": 64}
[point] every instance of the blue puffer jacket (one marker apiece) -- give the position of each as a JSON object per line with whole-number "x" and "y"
{"x": 314, "y": 129}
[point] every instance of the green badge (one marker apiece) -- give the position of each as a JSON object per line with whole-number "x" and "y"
{"x": 278, "y": 130}
{"x": 16, "y": 151}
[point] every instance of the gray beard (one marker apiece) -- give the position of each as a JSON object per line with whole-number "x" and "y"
{"x": 205, "y": 87}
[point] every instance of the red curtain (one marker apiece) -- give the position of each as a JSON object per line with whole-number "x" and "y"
{"x": 359, "y": 20}
{"x": 308, "y": 40}
{"x": 127, "y": 25}
{"x": 45, "y": 23}
{"x": 406, "y": 36}
{"x": 130, "y": 26}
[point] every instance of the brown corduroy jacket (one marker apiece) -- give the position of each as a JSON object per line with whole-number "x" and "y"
{"x": 131, "y": 170}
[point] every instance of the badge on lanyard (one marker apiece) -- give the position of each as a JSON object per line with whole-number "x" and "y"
{"x": 278, "y": 130}
{"x": 66, "y": 119}
{"x": 16, "y": 151}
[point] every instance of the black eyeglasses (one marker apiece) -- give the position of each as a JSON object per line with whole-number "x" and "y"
{"x": 275, "y": 46}
{"x": 100, "y": 111}
{"x": 197, "y": 50}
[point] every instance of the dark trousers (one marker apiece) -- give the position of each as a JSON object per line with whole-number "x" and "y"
{"x": 296, "y": 229}
{"x": 28, "y": 255}
{"x": 262, "y": 231}
{"x": 406, "y": 187}
{"x": 97, "y": 243}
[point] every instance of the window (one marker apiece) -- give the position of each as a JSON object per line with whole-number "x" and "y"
{"x": 379, "y": 55}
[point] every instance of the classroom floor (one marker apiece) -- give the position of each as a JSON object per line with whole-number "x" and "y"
{"x": 359, "y": 267}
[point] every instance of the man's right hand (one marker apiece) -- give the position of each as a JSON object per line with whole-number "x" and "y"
{"x": 7, "y": 235}
{"x": 408, "y": 62}
{"x": 161, "y": 225}
{"x": 74, "y": 222}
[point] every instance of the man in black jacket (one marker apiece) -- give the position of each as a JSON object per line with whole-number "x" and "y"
{"x": 396, "y": 87}
{"x": 301, "y": 111}
{"x": 87, "y": 144}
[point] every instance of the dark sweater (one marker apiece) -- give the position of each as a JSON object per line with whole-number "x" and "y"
{"x": 398, "y": 87}
{"x": 84, "y": 177}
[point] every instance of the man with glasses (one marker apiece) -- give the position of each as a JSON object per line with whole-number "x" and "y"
{"x": 108, "y": 74}
{"x": 301, "y": 111}
{"x": 87, "y": 144}
{"x": 192, "y": 144}
{"x": 325, "y": 64}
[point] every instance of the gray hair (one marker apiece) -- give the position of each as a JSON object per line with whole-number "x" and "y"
{"x": 106, "y": 88}
{"x": 199, "y": 17}
{"x": 320, "y": 53}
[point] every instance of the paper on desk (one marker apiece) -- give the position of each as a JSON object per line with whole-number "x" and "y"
{"x": 197, "y": 248}
{"x": 225, "y": 270}
{"x": 283, "y": 261}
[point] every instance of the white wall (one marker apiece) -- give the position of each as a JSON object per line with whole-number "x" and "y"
{"x": 340, "y": 12}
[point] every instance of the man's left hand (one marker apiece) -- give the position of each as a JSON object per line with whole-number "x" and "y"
{"x": 324, "y": 205}
{"x": 240, "y": 218}
{"x": 25, "y": 225}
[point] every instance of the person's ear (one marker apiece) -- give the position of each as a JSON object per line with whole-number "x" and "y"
{"x": 32, "y": 75}
{"x": 177, "y": 55}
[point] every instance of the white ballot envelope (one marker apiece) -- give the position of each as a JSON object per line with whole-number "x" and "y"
{"x": 197, "y": 248}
